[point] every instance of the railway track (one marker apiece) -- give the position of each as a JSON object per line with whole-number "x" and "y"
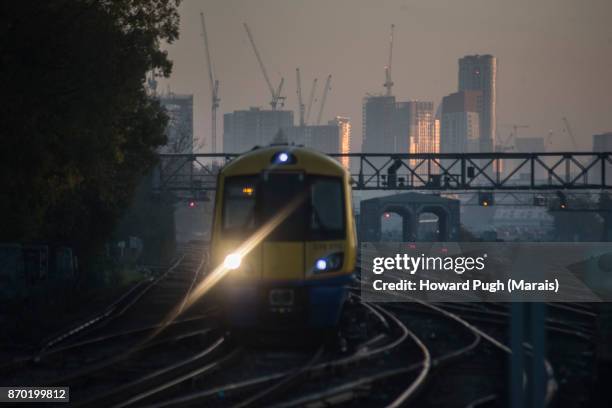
{"x": 391, "y": 352}
{"x": 281, "y": 371}
{"x": 497, "y": 341}
{"x": 133, "y": 328}
{"x": 56, "y": 342}
{"x": 571, "y": 331}
{"x": 384, "y": 355}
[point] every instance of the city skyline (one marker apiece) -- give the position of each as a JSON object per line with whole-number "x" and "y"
{"x": 541, "y": 56}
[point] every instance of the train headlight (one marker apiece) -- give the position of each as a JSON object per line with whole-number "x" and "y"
{"x": 329, "y": 263}
{"x": 232, "y": 261}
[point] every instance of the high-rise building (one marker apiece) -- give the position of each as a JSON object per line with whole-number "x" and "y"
{"x": 422, "y": 136}
{"x": 245, "y": 129}
{"x": 179, "y": 132}
{"x": 602, "y": 142}
{"x": 460, "y": 122}
{"x": 398, "y": 127}
{"x": 460, "y": 132}
{"x": 344, "y": 127}
{"x": 380, "y": 128}
{"x": 335, "y": 137}
{"x": 529, "y": 145}
{"x": 479, "y": 72}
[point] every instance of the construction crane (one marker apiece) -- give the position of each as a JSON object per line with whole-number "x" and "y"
{"x": 276, "y": 93}
{"x": 505, "y": 146}
{"x": 568, "y": 129}
{"x": 327, "y": 87}
{"x": 548, "y": 140}
{"x": 310, "y": 99}
{"x": 214, "y": 89}
{"x": 299, "y": 96}
{"x": 388, "y": 82}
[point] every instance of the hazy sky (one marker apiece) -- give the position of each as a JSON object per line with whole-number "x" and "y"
{"x": 554, "y": 56}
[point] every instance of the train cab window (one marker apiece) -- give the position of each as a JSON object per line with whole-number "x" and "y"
{"x": 278, "y": 191}
{"x": 239, "y": 204}
{"x": 326, "y": 208}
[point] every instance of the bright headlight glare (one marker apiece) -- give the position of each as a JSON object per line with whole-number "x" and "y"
{"x": 321, "y": 264}
{"x": 232, "y": 261}
{"x": 283, "y": 158}
{"x": 329, "y": 263}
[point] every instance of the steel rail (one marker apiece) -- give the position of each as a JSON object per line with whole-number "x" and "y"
{"x": 361, "y": 353}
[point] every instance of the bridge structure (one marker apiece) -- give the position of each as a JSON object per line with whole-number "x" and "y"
{"x": 450, "y": 172}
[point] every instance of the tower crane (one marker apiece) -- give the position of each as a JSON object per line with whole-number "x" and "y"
{"x": 310, "y": 99}
{"x": 214, "y": 89}
{"x": 275, "y": 93}
{"x": 325, "y": 90}
{"x": 388, "y": 82}
{"x": 299, "y": 96}
{"x": 568, "y": 129}
{"x": 548, "y": 140}
{"x": 505, "y": 146}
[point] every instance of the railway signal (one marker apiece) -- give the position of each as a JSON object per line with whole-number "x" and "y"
{"x": 485, "y": 199}
{"x": 562, "y": 200}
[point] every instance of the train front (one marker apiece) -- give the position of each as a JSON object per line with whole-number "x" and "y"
{"x": 284, "y": 235}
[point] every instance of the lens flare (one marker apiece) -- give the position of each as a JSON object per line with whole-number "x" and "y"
{"x": 220, "y": 271}
{"x": 232, "y": 261}
{"x": 247, "y": 246}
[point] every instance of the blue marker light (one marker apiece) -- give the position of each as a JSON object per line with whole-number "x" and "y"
{"x": 321, "y": 264}
{"x": 283, "y": 158}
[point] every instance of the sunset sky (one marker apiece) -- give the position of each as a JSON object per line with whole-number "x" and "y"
{"x": 554, "y": 57}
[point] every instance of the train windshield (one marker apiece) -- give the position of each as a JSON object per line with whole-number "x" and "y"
{"x": 239, "y": 204}
{"x": 250, "y": 202}
{"x": 278, "y": 191}
{"x": 326, "y": 208}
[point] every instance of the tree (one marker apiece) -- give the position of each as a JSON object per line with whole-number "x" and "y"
{"x": 78, "y": 130}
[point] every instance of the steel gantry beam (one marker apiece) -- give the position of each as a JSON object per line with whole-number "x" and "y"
{"x": 423, "y": 171}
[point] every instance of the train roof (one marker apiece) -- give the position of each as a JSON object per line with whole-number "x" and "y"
{"x": 262, "y": 158}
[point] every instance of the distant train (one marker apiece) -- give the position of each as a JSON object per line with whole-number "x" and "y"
{"x": 284, "y": 231}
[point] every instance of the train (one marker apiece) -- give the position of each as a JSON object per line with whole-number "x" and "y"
{"x": 284, "y": 238}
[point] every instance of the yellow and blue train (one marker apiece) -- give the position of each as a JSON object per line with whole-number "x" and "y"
{"x": 284, "y": 233}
